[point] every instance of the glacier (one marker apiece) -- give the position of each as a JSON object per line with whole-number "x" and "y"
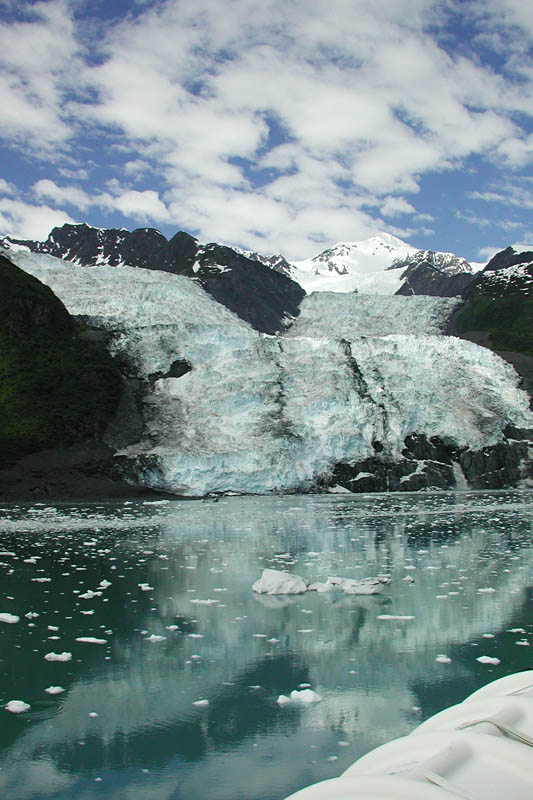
{"x": 354, "y": 375}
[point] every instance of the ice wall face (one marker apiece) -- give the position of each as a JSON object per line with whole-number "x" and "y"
{"x": 354, "y": 383}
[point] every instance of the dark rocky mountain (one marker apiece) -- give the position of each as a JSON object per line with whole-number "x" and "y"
{"x": 433, "y": 273}
{"x": 498, "y": 311}
{"x": 59, "y": 391}
{"x": 262, "y": 296}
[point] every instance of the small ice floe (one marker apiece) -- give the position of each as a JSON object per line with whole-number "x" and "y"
{"x": 54, "y": 690}
{"x": 486, "y": 590}
{"x": 172, "y": 627}
{"x": 104, "y": 584}
{"x": 443, "y": 659}
{"x": 155, "y": 638}
{"x": 208, "y": 602}
{"x": 338, "y": 489}
{"x": 91, "y": 640}
{"x": 31, "y": 615}
{"x": 395, "y": 616}
{"x": 488, "y": 636}
{"x": 89, "y": 594}
{"x": 17, "y": 706}
{"x": 515, "y": 630}
{"x": 327, "y": 586}
{"x": 522, "y": 643}
{"x": 41, "y": 580}
{"x": 304, "y": 697}
{"x": 363, "y": 586}
{"x": 52, "y": 627}
{"x": 201, "y": 703}
{"x": 195, "y": 635}
{"x": 94, "y": 714}
{"x": 58, "y": 656}
{"x": 488, "y": 660}
{"x": 9, "y": 618}
{"x": 274, "y": 581}
{"x": 408, "y": 579}
{"x": 145, "y": 587}
{"x": 88, "y": 613}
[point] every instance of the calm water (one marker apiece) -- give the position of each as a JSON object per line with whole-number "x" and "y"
{"x": 179, "y": 623}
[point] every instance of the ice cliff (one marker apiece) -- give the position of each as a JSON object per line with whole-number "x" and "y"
{"x": 362, "y": 391}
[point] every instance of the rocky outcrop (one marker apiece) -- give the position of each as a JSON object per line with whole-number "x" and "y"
{"x": 436, "y": 464}
{"x": 432, "y": 273}
{"x": 262, "y": 296}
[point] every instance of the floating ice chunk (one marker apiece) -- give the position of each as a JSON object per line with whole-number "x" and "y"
{"x": 53, "y": 628}
{"x": 274, "y": 581}
{"x": 207, "y": 602}
{"x": 488, "y": 636}
{"x": 54, "y": 690}
{"x": 155, "y": 638}
{"x": 172, "y": 627}
{"x": 104, "y": 584}
{"x": 305, "y": 630}
{"x": 522, "y": 643}
{"x": 58, "y": 656}
{"x": 41, "y": 580}
{"x": 327, "y": 586}
{"x": 201, "y": 703}
{"x": 515, "y": 630}
{"x": 283, "y": 700}
{"x": 145, "y": 587}
{"x": 338, "y": 489}
{"x": 396, "y": 616}
{"x": 442, "y": 659}
{"x": 91, "y": 640}
{"x": 304, "y": 686}
{"x": 196, "y": 635}
{"x": 486, "y": 590}
{"x": 408, "y": 579}
{"x": 31, "y": 615}
{"x": 94, "y": 714}
{"x": 17, "y": 706}
{"x": 9, "y": 618}
{"x": 305, "y": 696}
{"x": 88, "y": 613}
{"x": 363, "y": 586}
{"x": 488, "y": 660}
{"x": 89, "y": 594}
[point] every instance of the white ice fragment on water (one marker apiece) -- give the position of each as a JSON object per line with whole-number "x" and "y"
{"x": 31, "y": 615}
{"x": 201, "y": 703}
{"x": 443, "y": 659}
{"x": 54, "y": 690}
{"x": 338, "y": 489}
{"x": 396, "y": 616}
{"x": 515, "y": 630}
{"x": 522, "y": 643}
{"x": 87, "y": 613}
{"x": 488, "y": 660}
{"x": 53, "y": 628}
{"x": 17, "y": 706}
{"x": 327, "y": 586}
{"x": 58, "y": 656}
{"x": 304, "y": 686}
{"x": 41, "y": 580}
{"x": 408, "y": 579}
{"x": 486, "y": 590}
{"x": 283, "y": 700}
{"x": 172, "y": 627}
{"x": 305, "y": 630}
{"x": 145, "y": 587}
{"x": 305, "y": 696}
{"x": 89, "y": 594}
{"x": 363, "y": 586}
{"x": 274, "y": 581}
{"x": 94, "y": 714}
{"x": 91, "y": 640}
{"x": 488, "y": 636}
{"x": 155, "y": 638}
{"x": 104, "y": 584}
{"x": 273, "y": 640}
{"x": 9, "y": 618}
{"x": 196, "y": 635}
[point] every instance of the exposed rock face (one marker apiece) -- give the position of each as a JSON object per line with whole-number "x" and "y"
{"x": 262, "y": 296}
{"x": 438, "y": 464}
{"x": 432, "y": 273}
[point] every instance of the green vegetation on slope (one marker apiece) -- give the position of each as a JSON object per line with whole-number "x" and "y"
{"x": 508, "y": 320}
{"x": 56, "y": 388}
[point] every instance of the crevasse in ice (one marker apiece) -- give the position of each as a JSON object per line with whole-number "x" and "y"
{"x": 262, "y": 413}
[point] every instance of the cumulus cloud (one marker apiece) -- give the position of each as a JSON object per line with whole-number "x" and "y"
{"x": 272, "y": 125}
{"x": 27, "y": 221}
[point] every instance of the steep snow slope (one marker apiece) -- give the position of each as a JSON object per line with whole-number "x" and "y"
{"x": 354, "y": 266}
{"x": 258, "y": 413}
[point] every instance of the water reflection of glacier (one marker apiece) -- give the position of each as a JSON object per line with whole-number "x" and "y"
{"x": 241, "y": 652}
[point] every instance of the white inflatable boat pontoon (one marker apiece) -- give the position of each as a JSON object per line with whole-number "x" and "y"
{"x": 480, "y": 749}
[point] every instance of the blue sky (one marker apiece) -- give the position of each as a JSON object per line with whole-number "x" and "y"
{"x": 276, "y": 126}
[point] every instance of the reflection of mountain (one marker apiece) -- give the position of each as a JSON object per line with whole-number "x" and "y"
{"x": 369, "y": 671}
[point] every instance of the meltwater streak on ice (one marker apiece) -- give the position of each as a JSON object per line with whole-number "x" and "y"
{"x": 206, "y": 551}
{"x": 260, "y": 413}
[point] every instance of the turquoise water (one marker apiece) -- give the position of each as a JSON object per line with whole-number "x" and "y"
{"x": 178, "y": 623}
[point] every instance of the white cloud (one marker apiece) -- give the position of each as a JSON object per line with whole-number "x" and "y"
{"x": 7, "y": 188}
{"x": 273, "y": 125}
{"x": 27, "y": 221}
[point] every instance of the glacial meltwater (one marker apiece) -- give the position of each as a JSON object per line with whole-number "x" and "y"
{"x": 145, "y": 667}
